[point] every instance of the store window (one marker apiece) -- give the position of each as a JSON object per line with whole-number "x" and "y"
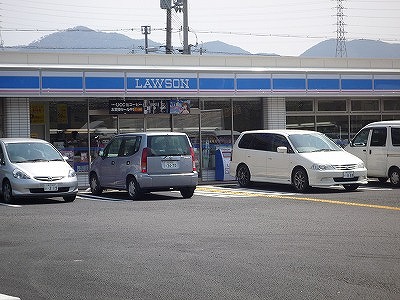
{"x": 69, "y": 131}
{"x": 391, "y": 105}
{"x": 365, "y": 105}
{"x": 299, "y": 105}
{"x": 336, "y": 127}
{"x": 332, "y": 105}
{"x": 300, "y": 122}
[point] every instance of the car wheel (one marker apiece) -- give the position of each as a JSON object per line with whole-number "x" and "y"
{"x": 300, "y": 180}
{"x": 382, "y": 179}
{"x": 69, "y": 198}
{"x": 95, "y": 187}
{"x": 187, "y": 192}
{"x": 243, "y": 176}
{"x": 133, "y": 189}
{"x": 351, "y": 187}
{"x": 394, "y": 176}
{"x": 7, "y": 192}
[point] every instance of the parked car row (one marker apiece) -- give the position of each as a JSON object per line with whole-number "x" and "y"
{"x": 307, "y": 158}
{"x": 161, "y": 161}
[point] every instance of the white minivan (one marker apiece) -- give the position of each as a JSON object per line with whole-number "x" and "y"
{"x": 378, "y": 145}
{"x": 301, "y": 158}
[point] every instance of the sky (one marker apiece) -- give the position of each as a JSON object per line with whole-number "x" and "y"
{"x": 286, "y": 28}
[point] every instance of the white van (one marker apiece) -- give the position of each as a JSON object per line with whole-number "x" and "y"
{"x": 378, "y": 145}
{"x": 301, "y": 158}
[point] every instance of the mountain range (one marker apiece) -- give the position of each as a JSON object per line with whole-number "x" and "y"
{"x": 85, "y": 40}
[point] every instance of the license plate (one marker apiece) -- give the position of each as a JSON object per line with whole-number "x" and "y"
{"x": 170, "y": 165}
{"x": 49, "y": 187}
{"x": 348, "y": 174}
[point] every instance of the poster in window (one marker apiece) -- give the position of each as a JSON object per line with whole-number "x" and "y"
{"x": 156, "y": 107}
{"x": 37, "y": 113}
{"x": 125, "y": 106}
{"x": 179, "y": 107}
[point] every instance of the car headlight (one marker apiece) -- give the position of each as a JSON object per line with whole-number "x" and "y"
{"x": 20, "y": 175}
{"x": 361, "y": 165}
{"x": 71, "y": 173}
{"x": 321, "y": 167}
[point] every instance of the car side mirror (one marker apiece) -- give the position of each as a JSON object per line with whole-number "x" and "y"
{"x": 281, "y": 149}
{"x": 101, "y": 153}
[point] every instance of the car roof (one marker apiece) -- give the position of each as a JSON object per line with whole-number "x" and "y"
{"x": 151, "y": 133}
{"x": 285, "y": 132}
{"x": 22, "y": 140}
{"x": 384, "y": 123}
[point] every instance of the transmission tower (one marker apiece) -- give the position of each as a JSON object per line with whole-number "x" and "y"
{"x": 341, "y": 39}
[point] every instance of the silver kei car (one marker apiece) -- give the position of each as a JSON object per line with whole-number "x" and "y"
{"x": 145, "y": 162}
{"x": 34, "y": 168}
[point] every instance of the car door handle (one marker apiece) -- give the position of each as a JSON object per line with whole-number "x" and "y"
{"x": 113, "y": 162}
{"x": 128, "y": 162}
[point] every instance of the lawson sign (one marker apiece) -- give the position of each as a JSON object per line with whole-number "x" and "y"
{"x": 165, "y": 82}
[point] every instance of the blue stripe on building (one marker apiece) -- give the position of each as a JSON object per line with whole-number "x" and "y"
{"x": 323, "y": 84}
{"x": 16, "y": 83}
{"x": 387, "y": 84}
{"x": 62, "y": 82}
{"x": 19, "y": 82}
{"x": 288, "y": 84}
{"x": 357, "y": 84}
{"x": 216, "y": 84}
{"x": 105, "y": 83}
{"x": 253, "y": 83}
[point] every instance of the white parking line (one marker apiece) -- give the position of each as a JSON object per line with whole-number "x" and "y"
{"x": 100, "y": 198}
{"x": 6, "y": 297}
{"x": 212, "y": 191}
{"x": 10, "y": 205}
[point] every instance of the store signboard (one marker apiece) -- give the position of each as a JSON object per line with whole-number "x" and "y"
{"x": 121, "y": 106}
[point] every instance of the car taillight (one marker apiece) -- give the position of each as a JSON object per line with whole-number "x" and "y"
{"x": 143, "y": 166}
{"x": 193, "y": 159}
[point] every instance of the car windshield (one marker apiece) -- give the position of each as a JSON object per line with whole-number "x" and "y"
{"x": 313, "y": 142}
{"x": 32, "y": 152}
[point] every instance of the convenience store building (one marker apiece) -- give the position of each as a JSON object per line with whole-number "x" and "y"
{"x": 79, "y": 101}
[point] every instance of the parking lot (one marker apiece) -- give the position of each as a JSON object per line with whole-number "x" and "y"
{"x": 226, "y": 242}
{"x": 374, "y": 194}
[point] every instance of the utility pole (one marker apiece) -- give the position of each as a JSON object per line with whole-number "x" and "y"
{"x": 146, "y": 30}
{"x": 186, "y": 48}
{"x": 167, "y": 5}
{"x": 341, "y": 39}
{"x": 179, "y": 6}
{"x": 168, "y": 45}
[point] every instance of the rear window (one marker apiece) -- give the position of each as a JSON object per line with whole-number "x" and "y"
{"x": 168, "y": 145}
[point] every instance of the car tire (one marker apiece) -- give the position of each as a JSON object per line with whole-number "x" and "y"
{"x": 243, "y": 176}
{"x": 300, "y": 180}
{"x": 394, "y": 176}
{"x": 7, "y": 192}
{"x": 69, "y": 198}
{"x": 187, "y": 192}
{"x": 133, "y": 189}
{"x": 95, "y": 186}
{"x": 351, "y": 187}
